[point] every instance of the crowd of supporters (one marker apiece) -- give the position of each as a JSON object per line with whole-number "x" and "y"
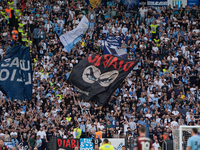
{"x": 161, "y": 92}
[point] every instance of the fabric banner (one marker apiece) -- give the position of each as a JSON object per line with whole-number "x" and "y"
{"x": 113, "y": 3}
{"x": 193, "y": 2}
{"x": 96, "y": 77}
{"x": 9, "y": 145}
{"x": 157, "y": 3}
{"x": 71, "y": 38}
{"x": 116, "y": 143}
{"x": 173, "y": 3}
{"x": 16, "y": 73}
{"x": 112, "y": 46}
{"x": 86, "y": 144}
{"x": 130, "y": 4}
{"x": 67, "y": 144}
{"x": 94, "y": 3}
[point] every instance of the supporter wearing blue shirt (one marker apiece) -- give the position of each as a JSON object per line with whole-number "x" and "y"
{"x": 113, "y": 122}
{"x": 91, "y": 25}
{"x": 106, "y": 16}
{"x": 142, "y": 121}
{"x": 32, "y": 10}
{"x": 49, "y": 7}
{"x": 58, "y": 30}
{"x": 171, "y": 67}
{"x": 67, "y": 74}
{"x": 142, "y": 99}
{"x": 39, "y": 143}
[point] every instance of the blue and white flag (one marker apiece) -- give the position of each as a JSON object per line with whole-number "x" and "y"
{"x": 86, "y": 144}
{"x": 112, "y": 46}
{"x": 71, "y": 38}
{"x": 16, "y": 73}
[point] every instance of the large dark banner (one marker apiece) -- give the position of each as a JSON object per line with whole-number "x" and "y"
{"x": 67, "y": 144}
{"x": 97, "y": 76}
{"x": 130, "y": 4}
{"x": 16, "y": 73}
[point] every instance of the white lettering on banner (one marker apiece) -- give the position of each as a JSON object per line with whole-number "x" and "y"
{"x": 5, "y": 73}
{"x": 173, "y": 3}
{"x": 15, "y": 62}
{"x": 6, "y": 65}
{"x": 22, "y": 65}
{"x": 13, "y": 74}
{"x": 152, "y": 3}
{"x": 29, "y": 79}
{"x": 20, "y": 79}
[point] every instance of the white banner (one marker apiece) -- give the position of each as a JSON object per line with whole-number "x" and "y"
{"x": 116, "y": 143}
{"x": 71, "y": 38}
{"x": 173, "y": 3}
{"x": 9, "y": 145}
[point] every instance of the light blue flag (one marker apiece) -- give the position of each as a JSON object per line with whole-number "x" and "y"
{"x": 71, "y": 38}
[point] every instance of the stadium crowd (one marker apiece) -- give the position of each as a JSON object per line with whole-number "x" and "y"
{"x": 161, "y": 92}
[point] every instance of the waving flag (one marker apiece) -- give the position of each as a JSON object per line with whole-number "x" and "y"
{"x": 71, "y": 38}
{"x": 112, "y": 46}
{"x": 97, "y": 77}
{"x": 16, "y": 73}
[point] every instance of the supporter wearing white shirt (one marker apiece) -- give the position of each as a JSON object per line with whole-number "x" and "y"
{"x": 54, "y": 111}
{"x": 186, "y": 53}
{"x": 186, "y": 67}
{"x": 88, "y": 126}
{"x": 158, "y": 62}
{"x": 150, "y": 96}
{"x": 156, "y": 145}
{"x": 155, "y": 49}
{"x": 126, "y": 125}
{"x": 124, "y": 29}
{"x": 100, "y": 126}
{"x": 47, "y": 26}
{"x": 61, "y": 132}
{"x": 132, "y": 124}
{"x": 183, "y": 47}
{"x": 157, "y": 119}
{"x": 142, "y": 11}
{"x": 196, "y": 30}
{"x": 42, "y": 133}
{"x": 127, "y": 94}
{"x": 13, "y": 134}
{"x": 175, "y": 112}
{"x": 148, "y": 114}
{"x": 56, "y": 8}
{"x": 174, "y": 123}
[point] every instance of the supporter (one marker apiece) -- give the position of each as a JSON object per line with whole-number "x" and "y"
{"x": 39, "y": 142}
{"x": 162, "y": 91}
